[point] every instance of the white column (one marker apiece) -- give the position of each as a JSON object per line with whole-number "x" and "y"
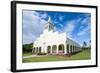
{"x": 36, "y": 50}
{"x": 45, "y": 49}
{"x": 41, "y": 49}
{"x": 57, "y": 49}
{"x": 32, "y": 50}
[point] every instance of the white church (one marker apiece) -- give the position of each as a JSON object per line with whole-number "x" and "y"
{"x": 54, "y": 43}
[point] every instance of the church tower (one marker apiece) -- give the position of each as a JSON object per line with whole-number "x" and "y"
{"x": 49, "y": 26}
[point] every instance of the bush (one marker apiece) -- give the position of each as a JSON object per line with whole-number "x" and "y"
{"x": 27, "y": 47}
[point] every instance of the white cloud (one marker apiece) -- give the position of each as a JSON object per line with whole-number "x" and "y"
{"x": 61, "y": 18}
{"x": 32, "y": 26}
{"x": 69, "y": 28}
{"x": 55, "y": 22}
{"x": 44, "y": 15}
{"x": 61, "y": 25}
{"x": 83, "y": 32}
{"x": 86, "y": 21}
{"x": 86, "y": 29}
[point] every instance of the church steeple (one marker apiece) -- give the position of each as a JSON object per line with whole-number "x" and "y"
{"x": 49, "y": 19}
{"x": 49, "y": 26}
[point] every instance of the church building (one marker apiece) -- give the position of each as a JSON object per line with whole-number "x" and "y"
{"x": 54, "y": 43}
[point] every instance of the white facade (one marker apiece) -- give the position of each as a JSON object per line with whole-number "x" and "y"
{"x": 52, "y": 42}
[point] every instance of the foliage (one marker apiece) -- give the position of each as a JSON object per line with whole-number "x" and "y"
{"x": 27, "y": 47}
{"x": 84, "y": 44}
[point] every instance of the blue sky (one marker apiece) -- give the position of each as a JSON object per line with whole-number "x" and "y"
{"x": 76, "y": 25}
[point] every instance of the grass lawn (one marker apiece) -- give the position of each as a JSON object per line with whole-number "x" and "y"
{"x": 27, "y": 53}
{"x": 85, "y": 54}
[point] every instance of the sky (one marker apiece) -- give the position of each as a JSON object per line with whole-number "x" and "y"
{"x": 76, "y": 25}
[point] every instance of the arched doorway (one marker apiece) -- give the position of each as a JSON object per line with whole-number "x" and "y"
{"x": 54, "y": 49}
{"x": 71, "y": 48}
{"x": 39, "y": 49}
{"x": 61, "y": 48}
{"x": 48, "y": 49}
{"x": 67, "y": 48}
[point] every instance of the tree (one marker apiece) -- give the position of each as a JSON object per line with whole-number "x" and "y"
{"x": 84, "y": 45}
{"x": 27, "y": 47}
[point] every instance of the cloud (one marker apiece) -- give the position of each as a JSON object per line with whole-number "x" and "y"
{"x": 86, "y": 21}
{"x": 84, "y": 29}
{"x": 55, "y": 21}
{"x": 44, "y": 15}
{"x": 32, "y": 26}
{"x": 61, "y": 18}
{"x": 83, "y": 32}
{"x": 61, "y": 25}
{"x": 58, "y": 23}
{"x": 69, "y": 28}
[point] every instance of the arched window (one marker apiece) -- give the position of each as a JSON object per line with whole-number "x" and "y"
{"x": 48, "y": 49}
{"x": 71, "y": 48}
{"x": 67, "y": 48}
{"x": 39, "y": 50}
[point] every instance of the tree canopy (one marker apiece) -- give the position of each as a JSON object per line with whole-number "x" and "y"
{"x": 27, "y": 47}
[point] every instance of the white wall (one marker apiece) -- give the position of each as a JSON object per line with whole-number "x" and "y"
{"x": 5, "y": 37}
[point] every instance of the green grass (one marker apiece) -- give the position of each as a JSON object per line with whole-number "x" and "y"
{"x": 27, "y": 53}
{"x": 85, "y": 54}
